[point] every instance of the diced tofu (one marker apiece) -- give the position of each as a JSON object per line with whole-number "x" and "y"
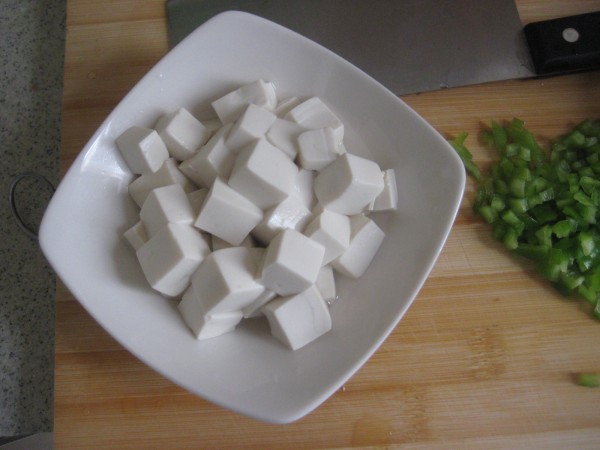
{"x": 182, "y": 133}
{"x": 283, "y": 134}
{"x": 365, "y": 239}
{"x": 143, "y": 149}
{"x": 136, "y": 236}
{"x": 303, "y": 188}
{"x": 226, "y": 280}
{"x": 228, "y": 214}
{"x": 171, "y": 256}
{"x": 167, "y": 204}
{"x": 203, "y": 325}
{"x": 299, "y": 319}
{"x": 263, "y": 174}
{"x": 326, "y": 284}
{"x": 314, "y": 113}
{"x": 217, "y": 243}
{"x": 212, "y": 125}
{"x": 230, "y": 106}
{"x": 166, "y": 175}
{"x": 286, "y": 105}
{"x": 292, "y": 263}
{"x": 290, "y": 213}
{"x": 318, "y": 148}
{"x": 213, "y": 160}
{"x": 388, "y": 199}
{"x": 348, "y": 184}
{"x": 332, "y": 231}
{"x": 252, "y": 124}
{"x": 254, "y": 309}
{"x": 196, "y": 199}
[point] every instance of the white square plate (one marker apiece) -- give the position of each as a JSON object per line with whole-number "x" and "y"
{"x": 247, "y": 371}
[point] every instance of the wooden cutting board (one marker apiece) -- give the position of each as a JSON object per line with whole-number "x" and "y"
{"x": 484, "y": 358}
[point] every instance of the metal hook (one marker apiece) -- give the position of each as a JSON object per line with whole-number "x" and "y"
{"x": 11, "y": 199}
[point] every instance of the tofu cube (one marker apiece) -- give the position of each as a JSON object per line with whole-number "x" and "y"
{"x": 136, "y": 236}
{"x": 299, "y": 319}
{"x": 230, "y": 106}
{"x": 332, "y": 231}
{"x": 314, "y": 113}
{"x": 292, "y": 262}
{"x": 202, "y": 324}
{"x": 171, "y": 256}
{"x": 182, "y": 133}
{"x": 283, "y": 134}
{"x": 263, "y": 174}
{"x": 365, "y": 239}
{"x": 196, "y": 199}
{"x": 217, "y": 243}
{"x": 388, "y": 199}
{"x": 166, "y": 175}
{"x": 326, "y": 284}
{"x": 226, "y": 280}
{"x": 254, "y": 309}
{"x": 252, "y": 124}
{"x": 167, "y": 204}
{"x": 143, "y": 149}
{"x": 290, "y": 213}
{"x": 349, "y": 184}
{"x": 227, "y": 214}
{"x": 303, "y": 188}
{"x": 318, "y": 148}
{"x": 284, "y": 106}
{"x": 213, "y": 160}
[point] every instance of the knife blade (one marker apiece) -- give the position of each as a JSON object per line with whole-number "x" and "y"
{"x": 413, "y": 46}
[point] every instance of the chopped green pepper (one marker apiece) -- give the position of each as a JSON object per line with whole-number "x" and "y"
{"x": 545, "y": 206}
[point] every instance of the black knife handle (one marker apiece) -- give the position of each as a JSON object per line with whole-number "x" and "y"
{"x": 565, "y": 45}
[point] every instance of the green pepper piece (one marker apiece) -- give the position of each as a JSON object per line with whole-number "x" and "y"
{"x": 588, "y": 380}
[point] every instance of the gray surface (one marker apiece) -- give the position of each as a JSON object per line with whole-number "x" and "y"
{"x": 31, "y": 69}
{"x": 409, "y": 46}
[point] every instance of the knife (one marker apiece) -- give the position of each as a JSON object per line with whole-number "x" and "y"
{"x": 413, "y": 46}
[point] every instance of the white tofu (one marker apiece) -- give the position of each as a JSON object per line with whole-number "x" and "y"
{"x": 388, "y": 199}
{"x": 226, "y": 280}
{"x": 166, "y": 175}
{"x": 299, "y": 319}
{"x": 365, "y": 239}
{"x": 318, "y": 148}
{"x": 218, "y": 244}
{"x": 143, "y": 149}
{"x": 284, "y": 106}
{"x": 212, "y": 160}
{"x": 196, "y": 199}
{"x": 202, "y": 324}
{"x": 290, "y": 213}
{"x": 292, "y": 262}
{"x": 136, "y": 236}
{"x": 251, "y": 125}
{"x": 263, "y": 174}
{"x": 314, "y": 113}
{"x": 230, "y": 106}
{"x": 254, "y": 309}
{"x": 326, "y": 284}
{"x": 212, "y": 125}
{"x": 348, "y": 184}
{"x": 167, "y": 204}
{"x": 182, "y": 133}
{"x": 228, "y": 214}
{"x": 171, "y": 256}
{"x": 332, "y": 231}
{"x": 283, "y": 134}
{"x": 303, "y": 188}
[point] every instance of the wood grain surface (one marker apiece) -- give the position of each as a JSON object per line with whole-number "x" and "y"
{"x": 484, "y": 358}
